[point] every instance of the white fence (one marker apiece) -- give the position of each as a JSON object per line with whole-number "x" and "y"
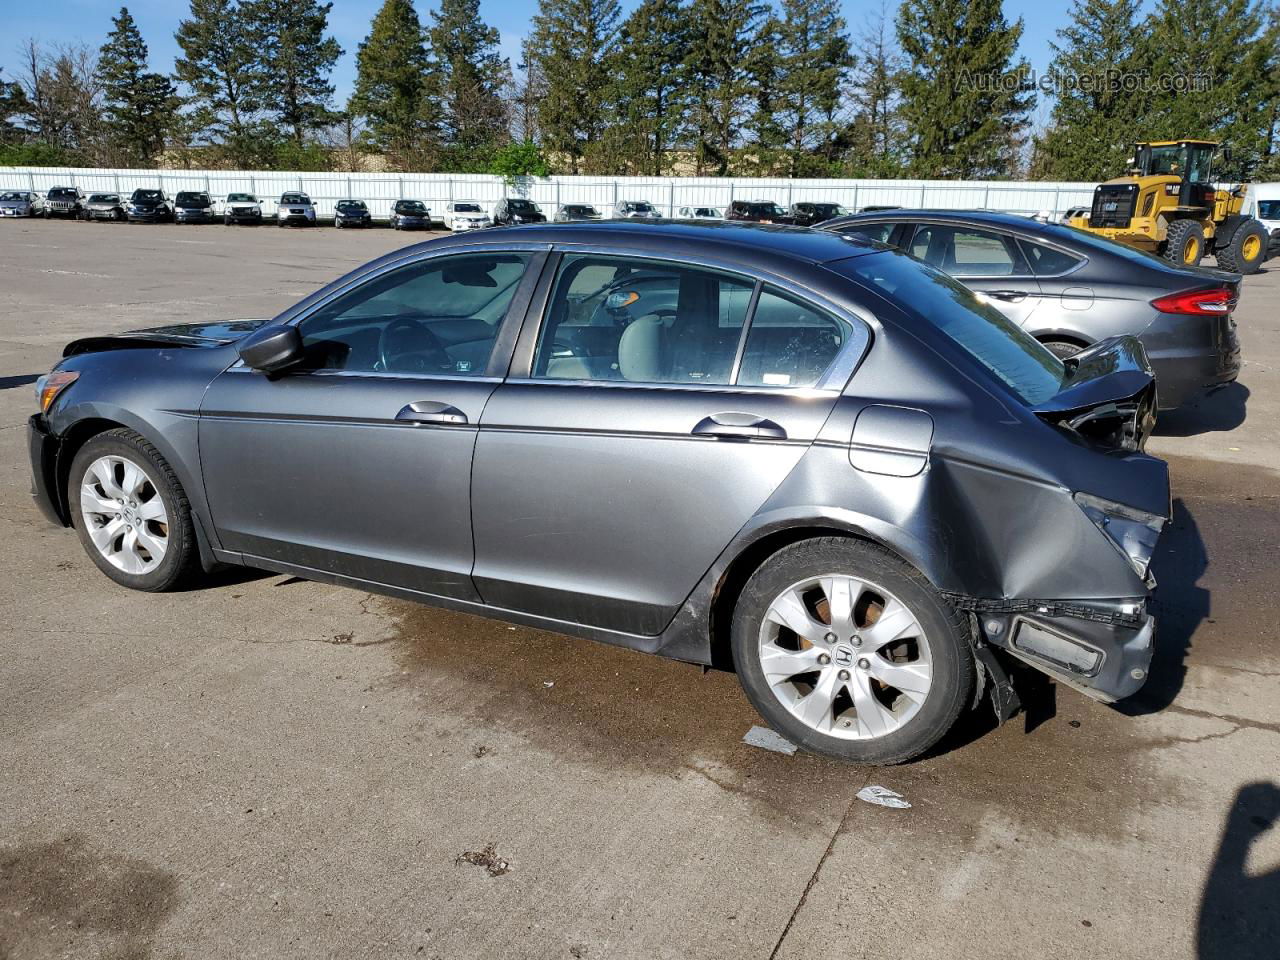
{"x": 668, "y": 194}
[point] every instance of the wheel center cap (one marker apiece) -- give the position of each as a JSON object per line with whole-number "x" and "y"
{"x": 130, "y": 517}
{"x": 842, "y": 654}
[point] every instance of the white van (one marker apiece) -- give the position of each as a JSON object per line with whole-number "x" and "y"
{"x": 1263, "y": 202}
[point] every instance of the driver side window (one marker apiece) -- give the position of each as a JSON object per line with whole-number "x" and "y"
{"x": 434, "y": 317}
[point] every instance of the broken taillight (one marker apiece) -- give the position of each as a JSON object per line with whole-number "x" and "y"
{"x": 1203, "y": 303}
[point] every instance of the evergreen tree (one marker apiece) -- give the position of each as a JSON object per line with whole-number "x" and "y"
{"x": 396, "y": 86}
{"x": 293, "y": 63}
{"x": 964, "y": 108}
{"x": 138, "y": 104}
{"x": 570, "y": 43}
{"x": 874, "y": 141}
{"x": 472, "y": 77}
{"x": 646, "y": 94}
{"x": 815, "y": 61}
{"x": 764, "y": 131}
{"x": 218, "y": 69}
{"x": 1229, "y": 47}
{"x": 719, "y": 66}
{"x": 1096, "y": 116}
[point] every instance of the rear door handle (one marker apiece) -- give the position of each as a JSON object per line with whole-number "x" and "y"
{"x": 1011, "y": 296}
{"x": 431, "y": 411}
{"x": 738, "y": 426}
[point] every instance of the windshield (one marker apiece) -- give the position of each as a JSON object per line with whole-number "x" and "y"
{"x": 61, "y": 194}
{"x": 147, "y": 195}
{"x": 640, "y": 207}
{"x": 295, "y": 198}
{"x": 930, "y": 296}
{"x": 829, "y": 209}
{"x": 466, "y": 208}
{"x": 351, "y": 205}
{"x": 766, "y": 210}
{"x": 1269, "y": 209}
{"x": 103, "y": 198}
{"x": 188, "y": 198}
{"x": 241, "y": 198}
{"x": 13, "y": 196}
{"x": 410, "y": 206}
{"x": 523, "y": 206}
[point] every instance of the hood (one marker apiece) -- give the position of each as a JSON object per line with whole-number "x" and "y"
{"x": 147, "y": 203}
{"x": 15, "y": 203}
{"x": 174, "y": 335}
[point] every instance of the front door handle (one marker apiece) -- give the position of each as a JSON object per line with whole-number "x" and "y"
{"x": 1010, "y": 296}
{"x": 738, "y": 426}
{"x": 431, "y": 411}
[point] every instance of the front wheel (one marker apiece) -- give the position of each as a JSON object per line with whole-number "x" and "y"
{"x": 1184, "y": 243}
{"x": 848, "y": 651}
{"x": 131, "y": 513}
{"x": 1246, "y": 250}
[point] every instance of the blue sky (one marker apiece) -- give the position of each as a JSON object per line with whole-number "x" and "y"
{"x": 89, "y": 21}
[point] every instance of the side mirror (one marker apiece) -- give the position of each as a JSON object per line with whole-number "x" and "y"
{"x": 271, "y": 348}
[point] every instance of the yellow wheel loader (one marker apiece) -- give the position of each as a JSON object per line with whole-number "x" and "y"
{"x": 1167, "y": 204}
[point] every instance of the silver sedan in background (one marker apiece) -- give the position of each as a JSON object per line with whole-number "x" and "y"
{"x": 21, "y": 203}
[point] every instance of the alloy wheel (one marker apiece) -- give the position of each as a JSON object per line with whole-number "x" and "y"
{"x": 124, "y": 514}
{"x": 845, "y": 657}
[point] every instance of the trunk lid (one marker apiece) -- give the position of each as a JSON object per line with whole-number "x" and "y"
{"x": 1108, "y": 395}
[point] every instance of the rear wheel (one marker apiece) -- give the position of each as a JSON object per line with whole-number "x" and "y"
{"x": 131, "y": 513}
{"x": 1184, "y": 242}
{"x": 1062, "y": 349}
{"x": 1246, "y": 250}
{"x": 848, "y": 651}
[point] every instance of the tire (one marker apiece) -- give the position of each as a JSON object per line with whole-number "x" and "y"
{"x": 103, "y": 464}
{"x": 1246, "y": 251}
{"x": 932, "y": 651}
{"x": 1184, "y": 243}
{"x": 1062, "y": 349}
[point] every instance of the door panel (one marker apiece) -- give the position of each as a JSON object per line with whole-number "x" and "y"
{"x": 315, "y": 469}
{"x": 604, "y": 504}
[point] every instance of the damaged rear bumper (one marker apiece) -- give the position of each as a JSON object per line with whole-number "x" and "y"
{"x": 1103, "y": 648}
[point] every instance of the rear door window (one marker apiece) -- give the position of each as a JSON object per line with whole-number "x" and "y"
{"x": 872, "y": 231}
{"x": 790, "y": 343}
{"x": 1047, "y": 261}
{"x": 967, "y": 252}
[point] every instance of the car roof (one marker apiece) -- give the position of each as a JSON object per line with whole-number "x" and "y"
{"x": 991, "y": 217}
{"x": 734, "y": 241}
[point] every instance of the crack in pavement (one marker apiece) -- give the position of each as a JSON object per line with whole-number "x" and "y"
{"x": 813, "y": 878}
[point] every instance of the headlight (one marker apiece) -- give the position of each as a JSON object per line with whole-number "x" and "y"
{"x": 51, "y": 384}
{"x": 1133, "y": 532}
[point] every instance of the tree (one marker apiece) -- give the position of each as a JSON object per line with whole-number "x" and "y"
{"x": 13, "y": 105}
{"x": 396, "y": 85}
{"x": 218, "y": 67}
{"x": 473, "y": 75}
{"x": 1219, "y": 68}
{"x": 1097, "y": 115}
{"x": 517, "y": 161}
{"x": 527, "y": 88}
{"x": 718, "y": 67}
{"x": 61, "y": 100}
{"x": 138, "y": 104}
{"x": 646, "y": 96}
{"x": 963, "y": 100}
{"x": 293, "y": 63}
{"x": 875, "y": 140}
{"x": 815, "y": 59}
{"x": 764, "y": 127}
{"x": 570, "y": 44}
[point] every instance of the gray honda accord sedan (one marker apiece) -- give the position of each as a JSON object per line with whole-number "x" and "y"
{"x": 1069, "y": 289}
{"x": 809, "y": 459}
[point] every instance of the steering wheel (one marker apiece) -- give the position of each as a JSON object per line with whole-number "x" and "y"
{"x": 428, "y": 351}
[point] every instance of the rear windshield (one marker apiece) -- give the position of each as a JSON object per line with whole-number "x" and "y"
{"x": 996, "y": 342}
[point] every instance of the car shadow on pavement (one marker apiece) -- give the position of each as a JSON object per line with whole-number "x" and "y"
{"x": 1180, "y": 606}
{"x": 7, "y": 383}
{"x": 1240, "y": 912}
{"x": 1214, "y": 412}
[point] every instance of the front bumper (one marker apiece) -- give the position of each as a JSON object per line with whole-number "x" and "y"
{"x": 102, "y": 214}
{"x": 43, "y": 448}
{"x": 148, "y": 216}
{"x": 62, "y": 211}
{"x": 197, "y": 215}
{"x": 302, "y": 218}
{"x": 1101, "y": 648}
{"x": 254, "y": 216}
{"x": 15, "y": 212}
{"x": 412, "y": 223}
{"x": 364, "y": 221}
{"x": 461, "y": 226}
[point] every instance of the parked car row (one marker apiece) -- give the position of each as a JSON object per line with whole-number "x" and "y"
{"x": 809, "y": 456}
